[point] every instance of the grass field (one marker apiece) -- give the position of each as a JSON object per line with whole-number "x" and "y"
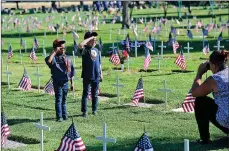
{"x": 166, "y": 129}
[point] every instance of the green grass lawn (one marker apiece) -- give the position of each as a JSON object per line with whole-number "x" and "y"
{"x": 166, "y": 129}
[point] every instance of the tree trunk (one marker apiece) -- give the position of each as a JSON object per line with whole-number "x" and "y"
{"x": 165, "y": 9}
{"x": 17, "y": 5}
{"x": 125, "y": 13}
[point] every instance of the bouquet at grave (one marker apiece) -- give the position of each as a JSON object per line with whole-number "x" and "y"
{"x": 123, "y": 55}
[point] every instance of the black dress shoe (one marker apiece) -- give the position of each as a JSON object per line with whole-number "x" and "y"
{"x": 59, "y": 119}
{"x": 204, "y": 142}
{"x": 94, "y": 113}
{"x": 84, "y": 114}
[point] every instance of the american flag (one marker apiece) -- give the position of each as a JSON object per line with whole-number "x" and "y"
{"x": 199, "y": 24}
{"x": 180, "y": 61}
{"x": 5, "y": 131}
{"x": 115, "y": 58}
{"x": 205, "y": 32}
{"x": 206, "y": 48}
{"x": 10, "y": 52}
{"x": 173, "y": 30}
{"x": 149, "y": 45}
{"x": 49, "y": 87}
{"x": 71, "y": 140}
{"x": 22, "y": 43}
{"x": 170, "y": 41}
{"x": 141, "y": 20}
{"x": 188, "y": 105}
{"x": 159, "y": 29}
{"x": 145, "y": 29}
{"x": 220, "y": 38}
{"x": 33, "y": 55}
{"x": 143, "y": 144}
{"x": 36, "y": 44}
{"x": 147, "y": 59}
{"x": 127, "y": 43}
{"x": 139, "y": 92}
{"x": 75, "y": 35}
{"x": 175, "y": 46}
{"x": 154, "y": 29}
{"x": 100, "y": 44}
{"x": 189, "y": 34}
{"x": 25, "y": 83}
{"x": 210, "y": 27}
{"x": 75, "y": 46}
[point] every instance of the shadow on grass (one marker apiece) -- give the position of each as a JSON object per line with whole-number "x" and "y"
{"x": 201, "y": 58}
{"x": 108, "y": 95}
{"x": 116, "y": 107}
{"x": 154, "y": 101}
{"x": 23, "y": 139}
{"x": 148, "y": 70}
{"x": 36, "y": 87}
{"x": 5, "y": 83}
{"x": 30, "y": 107}
{"x": 19, "y": 121}
{"x": 182, "y": 71}
{"x": 171, "y": 73}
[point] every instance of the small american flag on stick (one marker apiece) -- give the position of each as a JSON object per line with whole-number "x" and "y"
{"x": 139, "y": 92}
{"x": 175, "y": 47}
{"x": 71, "y": 140}
{"x": 147, "y": 59}
{"x": 143, "y": 144}
{"x": 115, "y": 58}
{"x": 10, "y": 52}
{"x": 180, "y": 61}
{"x": 33, "y": 54}
{"x": 49, "y": 87}
{"x": 188, "y": 105}
{"x": 25, "y": 83}
{"x": 5, "y": 131}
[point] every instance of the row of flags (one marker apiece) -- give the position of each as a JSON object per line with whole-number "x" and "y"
{"x": 72, "y": 141}
{"x": 187, "y": 105}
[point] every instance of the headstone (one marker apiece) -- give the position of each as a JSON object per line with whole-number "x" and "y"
{"x": 128, "y": 63}
{"x": 8, "y": 73}
{"x": 44, "y": 50}
{"x": 136, "y": 46}
{"x": 186, "y": 145}
{"x": 85, "y": 8}
{"x": 159, "y": 61}
{"x": 42, "y": 128}
{"x": 188, "y": 48}
{"x": 162, "y": 48}
{"x": 73, "y": 8}
{"x": 25, "y": 46}
{"x": 20, "y": 56}
{"x": 113, "y": 47}
{"x": 104, "y": 138}
{"x": 38, "y": 78}
{"x": 165, "y": 90}
{"x": 218, "y": 45}
{"x": 43, "y": 9}
{"x": 74, "y": 60}
{"x": 118, "y": 85}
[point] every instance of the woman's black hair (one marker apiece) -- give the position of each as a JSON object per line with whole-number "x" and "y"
{"x": 219, "y": 58}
